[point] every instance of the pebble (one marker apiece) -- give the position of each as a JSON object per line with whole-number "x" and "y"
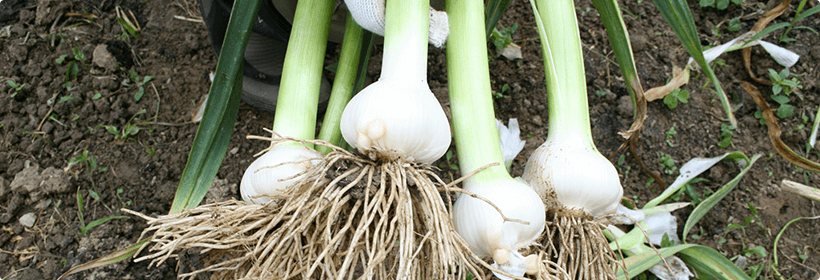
{"x": 103, "y": 58}
{"x": 28, "y": 219}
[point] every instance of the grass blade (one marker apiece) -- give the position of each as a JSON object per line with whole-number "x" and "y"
{"x": 703, "y": 208}
{"x": 678, "y": 15}
{"x": 106, "y": 260}
{"x": 214, "y": 132}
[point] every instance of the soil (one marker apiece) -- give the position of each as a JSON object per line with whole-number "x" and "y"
{"x": 93, "y": 138}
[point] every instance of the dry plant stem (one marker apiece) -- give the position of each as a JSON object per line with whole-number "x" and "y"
{"x": 350, "y": 218}
{"x": 577, "y": 244}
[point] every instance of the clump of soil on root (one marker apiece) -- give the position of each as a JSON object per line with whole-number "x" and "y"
{"x": 348, "y": 218}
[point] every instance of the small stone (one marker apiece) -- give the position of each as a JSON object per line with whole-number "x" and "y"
{"x": 103, "y": 58}
{"x": 512, "y": 52}
{"x": 28, "y": 219}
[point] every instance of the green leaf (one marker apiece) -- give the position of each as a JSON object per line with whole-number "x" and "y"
{"x": 725, "y": 142}
{"x": 133, "y": 76}
{"x": 707, "y": 3}
{"x": 776, "y": 89}
{"x": 784, "y": 73}
{"x": 112, "y": 129}
{"x": 679, "y": 17}
{"x": 11, "y": 83}
{"x": 706, "y": 261}
{"x": 112, "y": 258}
{"x": 773, "y": 75}
{"x": 61, "y": 59}
{"x": 710, "y": 264}
{"x": 139, "y": 94}
{"x": 722, "y": 4}
{"x": 94, "y": 194}
{"x": 703, "y": 208}
{"x": 734, "y": 24}
{"x": 97, "y": 222}
{"x": 785, "y": 111}
{"x": 780, "y": 99}
{"x": 214, "y": 132}
{"x": 619, "y": 39}
{"x": 147, "y": 79}
{"x": 671, "y": 101}
{"x": 683, "y": 96}
{"x": 807, "y": 13}
{"x": 758, "y": 250}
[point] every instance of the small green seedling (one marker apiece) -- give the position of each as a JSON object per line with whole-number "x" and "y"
{"x": 89, "y": 161}
{"x": 781, "y": 84}
{"x": 678, "y": 95}
{"x": 719, "y": 4}
{"x": 759, "y": 117}
{"x": 129, "y": 129}
{"x": 129, "y": 25}
{"x": 798, "y": 15}
{"x": 136, "y": 80}
{"x": 84, "y": 228}
{"x": 734, "y": 25}
{"x": 73, "y": 68}
{"x": 725, "y": 135}
{"x": 125, "y": 203}
{"x": 499, "y": 95}
{"x": 668, "y": 164}
{"x": 669, "y": 134}
{"x": 503, "y": 38}
{"x": 17, "y": 88}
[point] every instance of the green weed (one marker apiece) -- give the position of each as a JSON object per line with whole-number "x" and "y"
{"x": 14, "y": 86}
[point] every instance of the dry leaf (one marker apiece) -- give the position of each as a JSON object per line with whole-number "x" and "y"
{"x": 679, "y": 78}
{"x": 774, "y": 131}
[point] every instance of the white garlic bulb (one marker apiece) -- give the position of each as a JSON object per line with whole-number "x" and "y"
{"x": 275, "y": 171}
{"x": 581, "y": 177}
{"x": 394, "y": 118}
{"x": 484, "y": 229}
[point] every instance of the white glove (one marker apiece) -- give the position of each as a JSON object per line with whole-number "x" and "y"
{"x": 370, "y": 15}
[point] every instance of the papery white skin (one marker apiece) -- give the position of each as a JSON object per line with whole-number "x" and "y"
{"x": 397, "y": 118}
{"x": 483, "y": 228}
{"x": 275, "y": 171}
{"x": 659, "y": 224}
{"x": 511, "y": 143}
{"x": 679, "y": 270}
{"x": 581, "y": 177}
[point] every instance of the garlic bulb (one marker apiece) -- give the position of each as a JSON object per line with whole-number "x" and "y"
{"x": 275, "y": 171}
{"x": 389, "y": 119}
{"x": 488, "y": 235}
{"x": 398, "y": 116}
{"x": 579, "y": 175}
